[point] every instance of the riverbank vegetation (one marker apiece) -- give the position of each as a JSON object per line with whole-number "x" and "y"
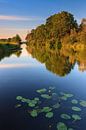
{"x": 59, "y": 43}
{"x": 16, "y": 40}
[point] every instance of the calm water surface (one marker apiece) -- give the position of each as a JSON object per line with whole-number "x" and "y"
{"x": 23, "y": 76}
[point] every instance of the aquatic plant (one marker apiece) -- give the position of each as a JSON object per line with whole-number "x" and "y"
{"x": 18, "y": 105}
{"x": 41, "y": 90}
{"x": 19, "y": 98}
{"x": 76, "y": 117}
{"x": 83, "y": 103}
{"x": 61, "y": 126}
{"x": 46, "y": 109}
{"x": 65, "y": 116}
{"x": 74, "y": 101}
{"x": 37, "y": 105}
{"x": 46, "y": 96}
{"x": 49, "y": 115}
{"x": 34, "y": 113}
{"x": 57, "y": 105}
{"x": 76, "y": 109}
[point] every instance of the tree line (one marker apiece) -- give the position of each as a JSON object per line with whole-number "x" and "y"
{"x": 14, "y": 40}
{"x": 60, "y": 29}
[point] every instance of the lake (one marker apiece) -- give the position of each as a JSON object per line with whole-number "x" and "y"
{"x": 21, "y": 76}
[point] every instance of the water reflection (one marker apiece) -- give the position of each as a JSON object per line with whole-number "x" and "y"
{"x": 60, "y": 62}
{"x": 8, "y": 50}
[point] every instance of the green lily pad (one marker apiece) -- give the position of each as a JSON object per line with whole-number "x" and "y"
{"x": 76, "y": 117}
{"x": 31, "y": 104}
{"x": 36, "y": 99}
{"x": 17, "y": 105}
{"x": 76, "y": 109}
{"x": 41, "y": 90}
{"x": 28, "y": 101}
{"x": 83, "y": 103}
{"x": 46, "y": 109}
{"x": 61, "y": 126}
{"x": 65, "y": 116}
{"x": 23, "y": 100}
{"x": 68, "y": 95}
{"x": 51, "y": 88}
{"x": 64, "y": 98}
{"x": 56, "y": 106}
{"x": 49, "y": 115}
{"x": 70, "y": 129}
{"x": 19, "y": 98}
{"x": 34, "y": 113}
{"x": 46, "y": 96}
{"x": 74, "y": 101}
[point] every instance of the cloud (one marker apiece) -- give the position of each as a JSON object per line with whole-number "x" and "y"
{"x": 19, "y": 18}
{"x": 5, "y": 66}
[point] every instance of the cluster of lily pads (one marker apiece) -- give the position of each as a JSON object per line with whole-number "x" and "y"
{"x": 37, "y": 106}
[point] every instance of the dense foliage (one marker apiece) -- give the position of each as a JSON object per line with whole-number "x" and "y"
{"x": 59, "y": 43}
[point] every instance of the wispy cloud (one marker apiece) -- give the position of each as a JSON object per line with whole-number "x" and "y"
{"x": 5, "y": 66}
{"x": 20, "y": 18}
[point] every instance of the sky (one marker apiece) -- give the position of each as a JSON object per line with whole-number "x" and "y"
{"x": 20, "y": 16}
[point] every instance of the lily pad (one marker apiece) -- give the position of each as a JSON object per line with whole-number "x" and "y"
{"x": 41, "y": 90}
{"x": 46, "y": 109}
{"x": 68, "y": 95}
{"x": 23, "y": 100}
{"x": 76, "y": 117}
{"x": 76, "y": 109}
{"x": 51, "y": 88}
{"x": 46, "y": 96}
{"x": 83, "y": 103}
{"x": 70, "y": 129}
{"x": 74, "y": 101}
{"x": 31, "y": 104}
{"x": 19, "y": 98}
{"x": 61, "y": 126}
{"x": 49, "y": 115}
{"x": 64, "y": 98}
{"x": 17, "y": 105}
{"x": 65, "y": 116}
{"x": 56, "y": 106}
{"x": 36, "y": 99}
{"x": 34, "y": 113}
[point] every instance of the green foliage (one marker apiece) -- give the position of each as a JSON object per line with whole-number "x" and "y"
{"x": 14, "y": 40}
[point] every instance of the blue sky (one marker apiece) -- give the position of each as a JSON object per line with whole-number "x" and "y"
{"x": 19, "y": 16}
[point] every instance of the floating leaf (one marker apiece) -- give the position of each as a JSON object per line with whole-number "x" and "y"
{"x": 31, "y": 104}
{"x": 34, "y": 113}
{"x": 46, "y": 109}
{"x": 17, "y": 105}
{"x": 19, "y": 98}
{"x": 51, "y": 88}
{"x": 61, "y": 126}
{"x": 70, "y": 129}
{"x": 76, "y": 117}
{"x": 36, "y": 99}
{"x": 28, "y": 101}
{"x": 24, "y": 100}
{"x": 57, "y": 105}
{"x": 68, "y": 95}
{"x": 64, "y": 98}
{"x": 65, "y": 116}
{"x": 41, "y": 90}
{"x": 49, "y": 115}
{"x": 76, "y": 108}
{"x": 83, "y": 103}
{"x": 46, "y": 96}
{"x": 74, "y": 101}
